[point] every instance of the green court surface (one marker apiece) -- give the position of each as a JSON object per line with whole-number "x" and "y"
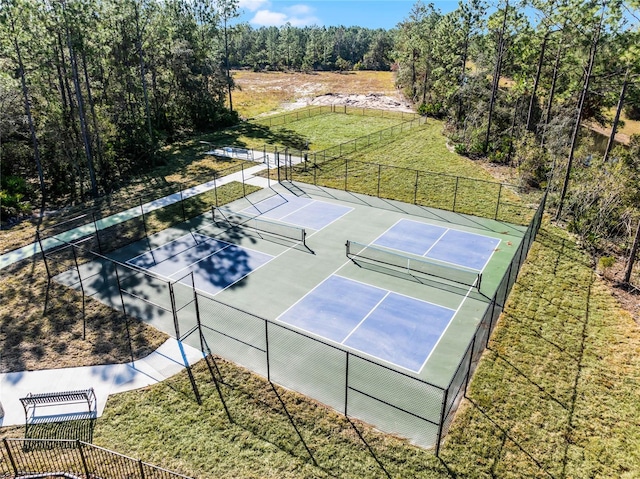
{"x": 262, "y": 317}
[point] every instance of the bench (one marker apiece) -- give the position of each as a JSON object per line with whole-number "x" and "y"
{"x": 64, "y": 402}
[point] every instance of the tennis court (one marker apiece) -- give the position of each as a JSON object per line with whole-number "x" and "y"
{"x": 365, "y": 304}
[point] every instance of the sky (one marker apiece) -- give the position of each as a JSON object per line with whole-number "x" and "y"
{"x": 300, "y": 13}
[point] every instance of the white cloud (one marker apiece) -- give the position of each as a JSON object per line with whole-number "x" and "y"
{"x": 253, "y": 5}
{"x": 297, "y": 15}
{"x": 267, "y": 18}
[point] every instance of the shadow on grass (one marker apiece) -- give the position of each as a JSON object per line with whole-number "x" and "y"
{"x": 538, "y": 421}
{"x": 80, "y": 429}
{"x": 248, "y": 398}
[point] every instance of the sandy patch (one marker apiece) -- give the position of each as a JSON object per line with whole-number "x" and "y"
{"x": 371, "y": 100}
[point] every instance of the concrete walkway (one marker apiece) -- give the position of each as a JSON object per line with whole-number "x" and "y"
{"x": 169, "y": 359}
{"x": 248, "y": 176}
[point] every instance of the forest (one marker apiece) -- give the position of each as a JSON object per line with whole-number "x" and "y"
{"x": 92, "y": 91}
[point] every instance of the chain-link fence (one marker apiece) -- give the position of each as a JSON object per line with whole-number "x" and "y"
{"x": 313, "y": 111}
{"x": 72, "y": 459}
{"x": 459, "y": 194}
{"x": 393, "y": 400}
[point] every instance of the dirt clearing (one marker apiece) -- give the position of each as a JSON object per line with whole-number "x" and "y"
{"x": 260, "y": 93}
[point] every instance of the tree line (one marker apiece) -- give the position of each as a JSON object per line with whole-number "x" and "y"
{"x": 91, "y": 89}
{"x": 518, "y": 82}
{"x": 311, "y": 48}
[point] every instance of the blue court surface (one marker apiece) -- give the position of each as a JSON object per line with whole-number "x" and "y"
{"x": 386, "y": 325}
{"x": 215, "y": 264}
{"x": 303, "y": 212}
{"x": 461, "y": 248}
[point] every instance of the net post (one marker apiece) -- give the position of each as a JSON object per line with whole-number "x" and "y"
{"x": 347, "y": 247}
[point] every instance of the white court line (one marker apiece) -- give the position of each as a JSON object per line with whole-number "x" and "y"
{"x": 200, "y": 260}
{"x": 158, "y": 247}
{"x": 492, "y": 253}
{"x": 365, "y": 317}
{"x": 445, "y": 329}
{"x": 283, "y": 220}
{"x": 276, "y": 207}
{"x": 424, "y": 255}
{"x": 395, "y": 292}
{"x": 271, "y": 258}
{"x": 129, "y": 261}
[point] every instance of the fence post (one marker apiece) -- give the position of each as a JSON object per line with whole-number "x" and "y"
{"x": 184, "y": 215}
{"x": 144, "y": 220}
{"x": 379, "y": 176}
{"x": 141, "y": 466}
{"x": 346, "y": 172}
{"x": 244, "y": 190}
{"x": 493, "y": 309}
{"x": 346, "y": 385}
{"x": 95, "y": 226}
{"x": 215, "y": 188}
{"x": 473, "y": 346}
{"x": 278, "y": 163}
{"x": 84, "y": 316}
{"x": 455, "y": 194}
{"x": 11, "y": 459}
{"x": 415, "y": 189}
{"x": 84, "y": 460}
{"x": 172, "y": 297}
{"x": 495, "y": 217}
{"x": 441, "y": 425}
{"x": 44, "y": 256}
{"x": 266, "y": 341}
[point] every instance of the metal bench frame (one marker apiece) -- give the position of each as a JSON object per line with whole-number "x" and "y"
{"x": 82, "y": 396}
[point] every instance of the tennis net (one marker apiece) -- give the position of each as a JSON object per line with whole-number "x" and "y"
{"x": 240, "y": 220}
{"x": 457, "y": 274}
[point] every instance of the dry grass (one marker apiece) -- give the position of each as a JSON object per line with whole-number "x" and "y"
{"x": 261, "y": 92}
{"x": 33, "y": 339}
